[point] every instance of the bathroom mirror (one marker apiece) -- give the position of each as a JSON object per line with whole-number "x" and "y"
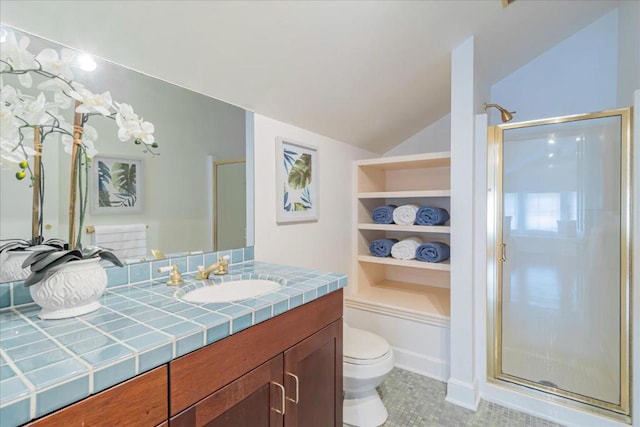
{"x": 194, "y": 132}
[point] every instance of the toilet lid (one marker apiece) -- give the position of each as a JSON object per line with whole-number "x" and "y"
{"x": 360, "y": 346}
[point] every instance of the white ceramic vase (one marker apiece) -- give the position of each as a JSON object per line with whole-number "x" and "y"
{"x": 73, "y": 290}
{"x": 11, "y": 266}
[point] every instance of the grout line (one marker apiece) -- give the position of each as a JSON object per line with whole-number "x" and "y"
{"x": 173, "y": 340}
{"x": 30, "y": 386}
{"x": 64, "y": 348}
{"x": 135, "y": 351}
{"x": 204, "y": 327}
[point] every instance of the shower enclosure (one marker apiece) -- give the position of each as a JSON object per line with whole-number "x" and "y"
{"x": 561, "y": 231}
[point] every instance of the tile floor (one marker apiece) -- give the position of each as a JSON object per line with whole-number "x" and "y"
{"x": 416, "y": 401}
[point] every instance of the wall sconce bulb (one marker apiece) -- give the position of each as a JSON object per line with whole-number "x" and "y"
{"x": 86, "y": 62}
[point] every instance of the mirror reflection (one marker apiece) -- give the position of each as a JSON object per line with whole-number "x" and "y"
{"x": 202, "y": 146}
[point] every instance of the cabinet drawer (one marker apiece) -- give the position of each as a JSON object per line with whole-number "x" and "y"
{"x": 141, "y": 401}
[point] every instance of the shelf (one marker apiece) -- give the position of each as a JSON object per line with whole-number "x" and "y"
{"x": 445, "y": 229}
{"x": 426, "y": 304}
{"x": 427, "y": 160}
{"x": 442, "y": 266}
{"x": 407, "y": 289}
{"x": 403, "y": 194}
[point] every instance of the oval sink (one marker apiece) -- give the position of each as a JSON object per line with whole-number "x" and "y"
{"x": 231, "y": 291}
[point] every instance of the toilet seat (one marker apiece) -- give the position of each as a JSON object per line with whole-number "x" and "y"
{"x": 363, "y": 347}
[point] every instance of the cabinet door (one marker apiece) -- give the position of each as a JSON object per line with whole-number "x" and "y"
{"x": 313, "y": 378}
{"x": 256, "y": 399}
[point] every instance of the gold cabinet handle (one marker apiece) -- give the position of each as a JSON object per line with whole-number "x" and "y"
{"x": 295, "y": 377}
{"x": 281, "y": 412}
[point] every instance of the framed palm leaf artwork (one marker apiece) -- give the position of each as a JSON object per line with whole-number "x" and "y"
{"x": 297, "y": 181}
{"x": 116, "y": 185}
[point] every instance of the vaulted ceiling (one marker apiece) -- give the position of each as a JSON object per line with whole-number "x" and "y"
{"x": 368, "y": 73}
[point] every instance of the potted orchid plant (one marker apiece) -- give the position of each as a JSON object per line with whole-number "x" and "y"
{"x": 57, "y": 109}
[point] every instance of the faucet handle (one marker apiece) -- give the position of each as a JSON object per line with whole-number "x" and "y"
{"x": 175, "y": 278}
{"x": 200, "y": 275}
{"x": 223, "y": 263}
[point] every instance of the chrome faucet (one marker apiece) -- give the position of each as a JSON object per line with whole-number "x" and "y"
{"x": 219, "y": 268}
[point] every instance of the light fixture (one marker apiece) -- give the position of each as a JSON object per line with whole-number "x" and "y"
{"x": 551, "y": 141}
{"x": 504, "y": 114}
{"x": 86, "y": 62}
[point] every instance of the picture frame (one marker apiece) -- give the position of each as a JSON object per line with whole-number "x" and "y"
{"x": 296, "y": 181}
{"x": 116, "y": 185}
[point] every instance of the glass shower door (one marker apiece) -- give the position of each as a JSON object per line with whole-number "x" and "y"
{"x": 563, "y": 250}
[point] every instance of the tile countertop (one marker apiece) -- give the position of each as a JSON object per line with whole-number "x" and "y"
{"x": 48, "y": 364}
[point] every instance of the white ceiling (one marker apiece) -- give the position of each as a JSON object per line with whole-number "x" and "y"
{"x": 368, "y": 73}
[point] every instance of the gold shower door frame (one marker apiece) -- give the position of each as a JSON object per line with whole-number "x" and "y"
{"x": 496, "y": 248}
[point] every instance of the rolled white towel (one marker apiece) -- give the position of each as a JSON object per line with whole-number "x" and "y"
{"x": 405, "y": 214}
{"x": 406, "y": 248}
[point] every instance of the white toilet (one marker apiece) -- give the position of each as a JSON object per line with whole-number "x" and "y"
{"x": 368, "y": 359}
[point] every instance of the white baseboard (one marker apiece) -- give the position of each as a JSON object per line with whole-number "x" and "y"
{"x": 421, "y": 364}
{"x": 463, "y": 394}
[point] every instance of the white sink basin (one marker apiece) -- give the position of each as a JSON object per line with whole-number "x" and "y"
{"x": 231, "y": 291}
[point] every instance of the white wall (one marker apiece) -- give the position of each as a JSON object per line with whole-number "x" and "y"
{"x": 325, "y": 244}
{"x": 435, "y": 137}
{"x": 578, "y": 75}
{"x": 462, "y": 387}
{"x": 628, "y": 51}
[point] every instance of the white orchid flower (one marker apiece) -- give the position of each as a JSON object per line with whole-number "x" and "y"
{"x": 58, "y": 85}
{"x": 14, "y": 153}
{"x": 92, "y": 103}
{"x": 60, "y": 89}
{"x": 129, "y": 123}
{"x": 16, "y": 54}
{"x": 9, "y": 94}
{"x": 90, "y": 149}
{"x": 145, "y": 133}
{"x": 89, "y": 136}
{"x": 127, "y": 130}
{"x": 9, "y": 123}
{"x": 62, "y": 100}
{"x": 35, "y": 110}
{"x": 60, "y": 66}
{"x": 125, "y": 113}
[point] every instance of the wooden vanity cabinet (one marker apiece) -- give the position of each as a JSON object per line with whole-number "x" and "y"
{"x": 286, "y": 371}
{"x": 141, "y": 401}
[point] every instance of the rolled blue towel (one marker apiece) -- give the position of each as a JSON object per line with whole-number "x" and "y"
{"x": 382, "y": 247}
{"x": 428, "y": 215}
{"x": 433, "y": 252}
{"x": 383, "y": 214}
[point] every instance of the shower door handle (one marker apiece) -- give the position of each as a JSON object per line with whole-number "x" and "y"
{"x": 503, "y": 252}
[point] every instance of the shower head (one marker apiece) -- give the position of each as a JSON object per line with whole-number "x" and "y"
{"x": 504, "y": 114}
